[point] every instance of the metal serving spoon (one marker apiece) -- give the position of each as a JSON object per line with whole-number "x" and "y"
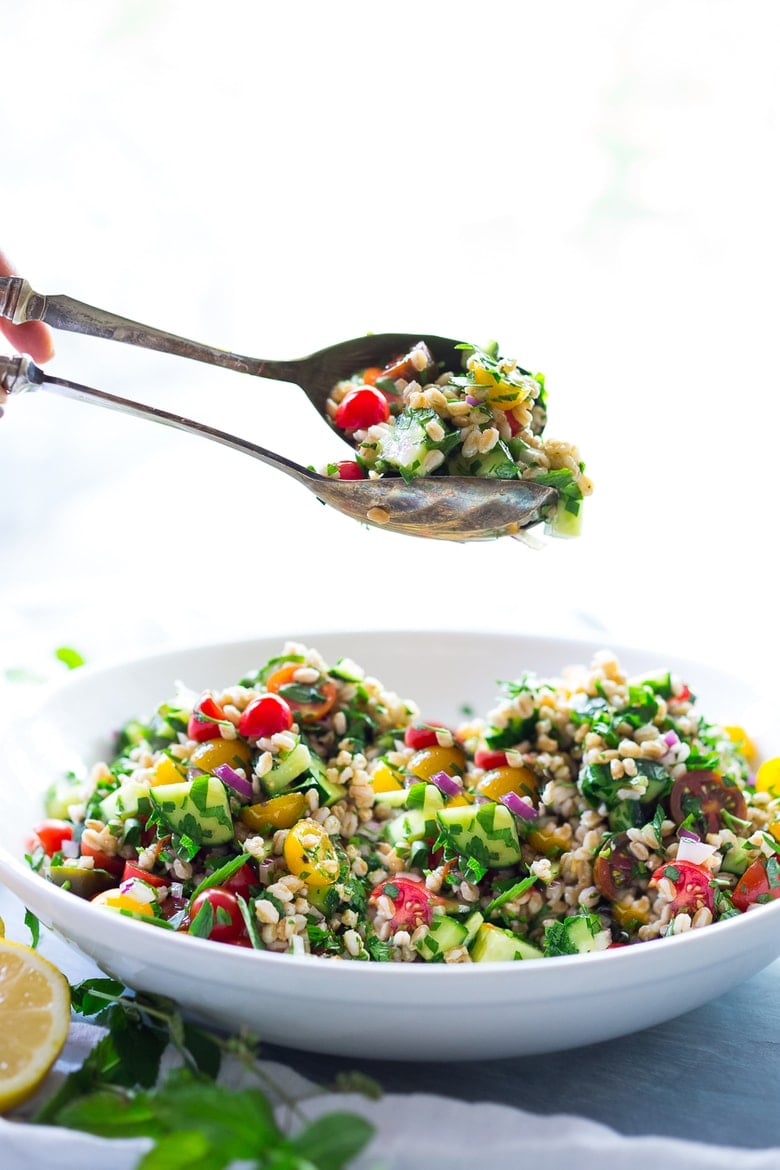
{"x": 316, "y": 374}
{"x": 439, "y": 507}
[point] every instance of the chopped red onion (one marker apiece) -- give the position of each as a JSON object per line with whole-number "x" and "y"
{"x": 518, "y": 806}
{"x": 688, "y": 835}
{"x": 177, "y": 890}
{"x": 472, "y": 401}
{"x": 446, "y": 784}
{"x": 231, "y": 777}
{"x": 70, "y": 848}
{"x": 671, "y": 738}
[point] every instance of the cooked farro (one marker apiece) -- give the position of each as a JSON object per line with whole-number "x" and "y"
{"x": 308, "y": 810}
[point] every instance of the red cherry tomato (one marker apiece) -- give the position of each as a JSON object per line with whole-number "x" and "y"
{"x": 135, "y": 871}
{"x": 50, "y": 834}
{"x": 103, "y": 860}
{"x": 422, "y": 735}
{"x": 412, "y": 902}
{"x": 205, "y": 719}
{"x": 616, "y": 869}
{"x": 349, "y": 469}
{"x": 362, "y": 407}
{"x": 222, "y": 920}
{"x": 308, "y": 710}
{"x": 757, "y": 884}
{"x": 692, "y": 884}
{"x": 488, "y": 759}
{"x": 265, "y": 716}
{"x": 242, "y": 880}
{"x": 704, "y": 795}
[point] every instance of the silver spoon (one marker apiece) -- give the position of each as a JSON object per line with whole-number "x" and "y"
{"x": 316, "y": 374}
{"x": 439, "y": 507}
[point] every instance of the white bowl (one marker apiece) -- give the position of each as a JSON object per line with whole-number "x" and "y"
{"x": 386, "y": 1010}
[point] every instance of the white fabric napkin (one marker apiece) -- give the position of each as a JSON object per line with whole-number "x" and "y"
{"x": 418, "y": 1131}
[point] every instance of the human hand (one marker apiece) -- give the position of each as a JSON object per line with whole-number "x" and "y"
{"x": 33, "y": 337}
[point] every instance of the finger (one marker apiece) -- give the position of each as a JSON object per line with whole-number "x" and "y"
{"x": 33, "y": 337}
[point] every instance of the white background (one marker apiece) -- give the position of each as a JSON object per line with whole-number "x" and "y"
{"x": 596, "y": 185}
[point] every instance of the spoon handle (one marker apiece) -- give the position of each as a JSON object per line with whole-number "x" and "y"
{"x": 19, "y": 302}
{"x": 20, "y": 374}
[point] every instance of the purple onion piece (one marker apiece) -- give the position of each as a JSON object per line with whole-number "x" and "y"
{"x": 231, "y": 777}
{"x": 671, "y": 738}
{"x": 518, "y": 806}
{"x": 447, "y": 784}
{"x": 472, "y": 401}
{"x": 688, "y": 835}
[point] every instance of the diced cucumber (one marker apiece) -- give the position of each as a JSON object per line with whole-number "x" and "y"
{"x": 496, "y": 463}
{"x": 494, "y": 945}
{"x": 737, "y": 857}
{"x": 62, "y": 795}
{"x": 130, "y": 799}
{"x": 564, "y": 522}
{"x": 197, "y": 808}
{"x": 392, "y": 798}
{"x": 472, "y": 925}
{"x": 411, "y": 825}
{"x": 330, "y": 791}
{"x": 578, "y": 935}
{"x": 405, "y": 444}
{"x": 443, "y": 934}
{"x": 485, "y": 832}
{"x": 287, "y": 768}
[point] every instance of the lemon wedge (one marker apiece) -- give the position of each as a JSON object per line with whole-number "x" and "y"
{"x": 34, "y": 1020}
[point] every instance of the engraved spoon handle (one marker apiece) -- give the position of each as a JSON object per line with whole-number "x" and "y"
{"x": 19, "y": 302}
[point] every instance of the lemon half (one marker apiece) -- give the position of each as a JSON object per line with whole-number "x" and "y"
{"x": 34, "y": 1020}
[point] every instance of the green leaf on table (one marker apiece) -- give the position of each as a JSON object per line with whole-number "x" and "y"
{"x": 332, "y": 1141}
{"x": 69, "y": 657}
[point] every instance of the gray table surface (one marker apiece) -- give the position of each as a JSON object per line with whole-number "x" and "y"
{"x": 711, "y": 1075}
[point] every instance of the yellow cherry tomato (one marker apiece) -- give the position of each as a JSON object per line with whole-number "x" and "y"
{"x": 280, "y": 812}
{"x": 768, "y": 777}
{"x": 428, "y": 761}
{"x": 629, "y": 916}
{"x": 499, "y": 781}
{"x": 168, "y": 771}
{"x": 386, "y": 778}
{"x": 740, "y": 738}
{"x": 550, "y": 840}
{"x": 113, "y": 900}
{"x": 213, "y": 752}
{"x": 309, "y": 854}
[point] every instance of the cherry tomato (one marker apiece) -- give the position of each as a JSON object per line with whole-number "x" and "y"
{"x": 412, "y": 902}
{"x": 615, "y": 869}
{"x": 759, "y": 883}
{"x": 488, "y": 758}
{"x": 406, "y": 368}
{"x": 704, "y": 795}
{"x": 265, "y": 716}
{"x": 205, "y": 718}
{"x": 103, "y": 860}
{"x": 135, "y": 871}
{"x": 361, "y": 408}
{"x": 692, "y": 884}
{"x": 242, "y": 880}
{"x": 50, "y": 834}
{"x": 226, "y": 922}
{"x": 349, "y": 469}
{"x": 422, "y": 735}
{"x": 308, "y": 710}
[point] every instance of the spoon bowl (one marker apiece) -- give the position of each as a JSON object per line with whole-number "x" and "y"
{"x": 315, "y": 374}
{"x": 458, "y": 508}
